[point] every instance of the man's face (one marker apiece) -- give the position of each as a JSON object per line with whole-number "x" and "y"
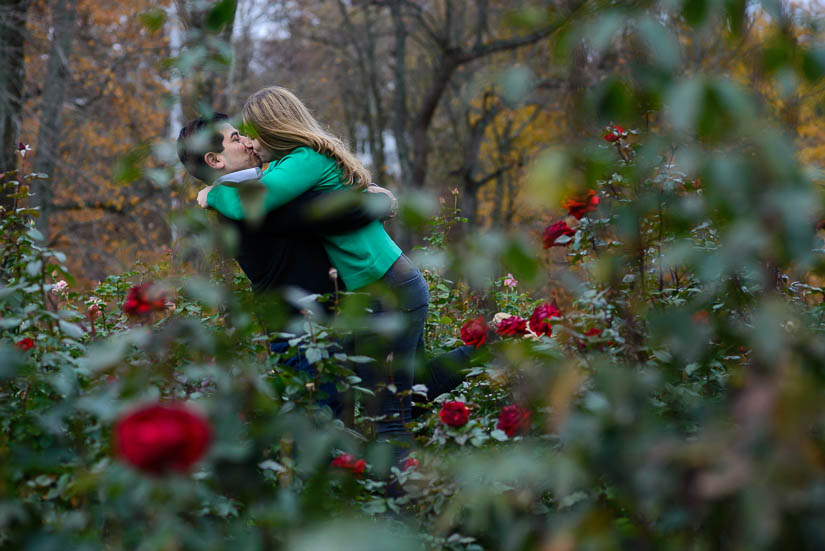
{"x": 237, "y": 152}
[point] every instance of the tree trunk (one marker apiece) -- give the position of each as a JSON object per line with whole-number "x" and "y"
{"x": 54, "y": 91}
{"x": 206, "y": 90}
{"x": 12, "y": 39}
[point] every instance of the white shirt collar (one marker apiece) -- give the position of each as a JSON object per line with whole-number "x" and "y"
{"x": 240, "y": 176}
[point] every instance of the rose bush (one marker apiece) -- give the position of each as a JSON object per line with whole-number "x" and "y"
{"x": 665, "y": 427}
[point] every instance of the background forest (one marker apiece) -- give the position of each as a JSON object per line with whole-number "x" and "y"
{"x": 434, "y": 95}
{"x": 617, "y": 203}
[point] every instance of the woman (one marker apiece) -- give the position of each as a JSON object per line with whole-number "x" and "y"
{"x": 303, "y": 156}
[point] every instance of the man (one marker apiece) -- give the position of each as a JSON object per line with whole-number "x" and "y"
{"x": 283, "y": 249}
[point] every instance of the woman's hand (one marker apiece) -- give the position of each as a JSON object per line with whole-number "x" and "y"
{"x": 374, "y": 188}
{"x": 202, "y": 196}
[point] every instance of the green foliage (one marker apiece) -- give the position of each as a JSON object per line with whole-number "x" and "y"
{"x": 676, "y": 405}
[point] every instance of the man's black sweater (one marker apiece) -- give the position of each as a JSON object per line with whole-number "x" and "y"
{"x": 285, "y": 249}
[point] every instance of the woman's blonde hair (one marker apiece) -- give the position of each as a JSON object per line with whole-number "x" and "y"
{"x": 281, "y": 122}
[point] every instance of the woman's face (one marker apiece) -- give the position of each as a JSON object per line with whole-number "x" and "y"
{"x": 265, "y": 154}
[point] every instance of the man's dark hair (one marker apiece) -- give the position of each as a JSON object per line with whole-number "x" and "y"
{"x": 197, "y": 138}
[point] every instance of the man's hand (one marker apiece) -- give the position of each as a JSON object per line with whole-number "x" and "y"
{"x": 373, "y": 188}
{"x": 202, "y": 196}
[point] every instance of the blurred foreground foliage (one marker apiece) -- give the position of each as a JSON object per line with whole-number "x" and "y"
{"x": 677, "y": 404}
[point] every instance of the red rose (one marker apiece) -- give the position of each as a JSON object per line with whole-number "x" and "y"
{"x": 553, "y": 232}
{"x": 162, "y": 437}
{"x": 512, "y": 327}
{"x": 579, "y": 206}
{"x": 411, "y": 463}
{"x": 142, "y": 300}
{"x": 613, "y": 133}
{"x": 25, "y": 344}
{"x": 347, "y": 462}
{"x": 513, "y": 419}
{"x": 454, "y": 414}
{"x": 540, "y": 319}
{"x": 474, "y": 332}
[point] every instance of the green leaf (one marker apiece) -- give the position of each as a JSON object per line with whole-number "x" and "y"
{"x": 129, "y": 167}
{"x": 314, "y": 354}
{"x": 35, "y": 234}
{"x": 736, "y": 14}
{"x": 10, "y": 361}
{"x": 153, "y": 19}
{"x": 602, "y": 30}
{"x": 662, "y": 44}
{"x": 221, "y": 15}
{"x": 71, "y": 329}
{"x": 360, "y": 359}
{"x": 516, "y": 83}
{"x": 695, "y": 11}
{"x": 683, "y": 103}
{"x": 813, "y": 64}
{"x": 10, "y": 323}
{"x": 34, "y": 268}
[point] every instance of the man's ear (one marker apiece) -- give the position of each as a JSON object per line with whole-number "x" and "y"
{"x": 213, "y": 161}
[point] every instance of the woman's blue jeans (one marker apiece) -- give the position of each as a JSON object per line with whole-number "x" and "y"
{"x": 401, "y": 292}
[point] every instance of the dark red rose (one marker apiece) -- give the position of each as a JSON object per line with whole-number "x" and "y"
{"x": 349, "y": 463}
{"x": 143, "y": 300}
{"x": 594, "y": 332}
{"x": 513, "y": 326}
{"x": 474, "y": 331}
{"x": 540, "y": 319}
{"x": 513, "y": 419}
{"x": 158, "y": 438}
{"x": 25, "y": 344}
{"x": 579, "y": 206}
{"x": 411, "y": 463}
{"x": 553, "y": 232}
{"x": 454, "y": 414}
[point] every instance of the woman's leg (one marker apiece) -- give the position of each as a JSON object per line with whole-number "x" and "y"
{"x": 404, "y": 294}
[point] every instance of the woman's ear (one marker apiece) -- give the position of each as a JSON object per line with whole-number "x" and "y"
{"x": 213, "y": 161}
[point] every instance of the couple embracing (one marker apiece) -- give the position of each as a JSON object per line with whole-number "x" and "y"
{"x": 281, "y": 245}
